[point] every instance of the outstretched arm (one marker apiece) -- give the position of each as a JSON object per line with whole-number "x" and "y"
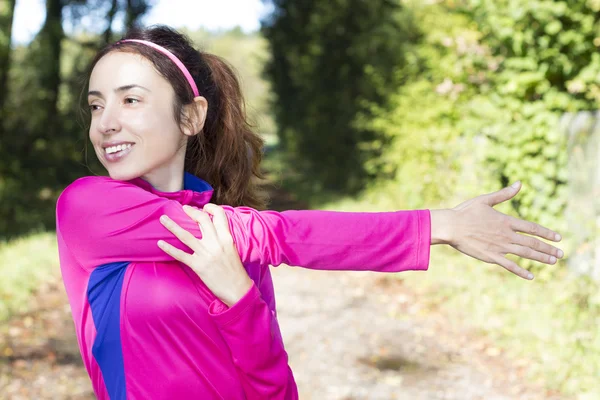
{"x": 392, "y": 241}
{"x": 103, "y": 220}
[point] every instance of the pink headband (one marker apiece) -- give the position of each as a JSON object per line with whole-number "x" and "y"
{"x": 173, "y": 58}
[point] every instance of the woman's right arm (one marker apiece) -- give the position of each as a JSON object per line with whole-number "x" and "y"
{"x": 247, "y": 324}
{"x": 102, "y": 220}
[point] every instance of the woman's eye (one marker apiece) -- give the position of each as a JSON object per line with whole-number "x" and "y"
{"x": 93, "y": 107}
{"x": 131, "y": 100}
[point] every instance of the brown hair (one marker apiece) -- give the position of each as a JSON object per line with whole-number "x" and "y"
{"x": 227, "y": 153}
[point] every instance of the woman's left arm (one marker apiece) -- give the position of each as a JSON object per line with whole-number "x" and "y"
{"x": 389, "y": 241}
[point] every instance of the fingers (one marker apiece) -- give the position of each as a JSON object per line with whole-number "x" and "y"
{"x": 186, "y": 237}
{"x": 502, "y": 195}
{"x": 220, "y": 222}
{"x": 203, "y": 220}
{"x": 513, "y": 267}
{"x": 538, "y": 245}
{"x": 174, "y": 252}
{"x": 531, "y": 254}
{"x": 217, "y": 229}
{"x": 532, "y": 228}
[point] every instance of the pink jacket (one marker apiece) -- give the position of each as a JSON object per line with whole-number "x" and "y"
{"x": 147, "y": 326}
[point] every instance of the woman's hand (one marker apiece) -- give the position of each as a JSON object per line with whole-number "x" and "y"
{"x": 477, "y": 230}
{"x": 215, "y": 258}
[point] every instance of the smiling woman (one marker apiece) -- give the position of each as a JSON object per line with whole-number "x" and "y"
{"x": 154, "y": 321}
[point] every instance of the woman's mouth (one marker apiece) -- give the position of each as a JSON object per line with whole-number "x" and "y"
{"x": 116, "y": 153}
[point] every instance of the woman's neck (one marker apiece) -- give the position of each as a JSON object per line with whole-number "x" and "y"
{"x": 167, "y": 178}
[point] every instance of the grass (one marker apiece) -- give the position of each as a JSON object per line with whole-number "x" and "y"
{"x": 553, "y": 323}
{"x": 25, "y": 264}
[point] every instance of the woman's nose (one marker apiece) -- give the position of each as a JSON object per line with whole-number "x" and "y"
{"x": 109, "y": 121}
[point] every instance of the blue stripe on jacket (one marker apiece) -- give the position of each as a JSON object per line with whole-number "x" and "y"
{"x": 104, "y": 297}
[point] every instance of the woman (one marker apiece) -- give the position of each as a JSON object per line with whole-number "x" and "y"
{"x": 155, "y": 321}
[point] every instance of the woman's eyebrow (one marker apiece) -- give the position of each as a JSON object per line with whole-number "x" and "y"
{"x": 119, "y": 89}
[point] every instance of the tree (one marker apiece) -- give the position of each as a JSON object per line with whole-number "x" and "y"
{"x": 44, "y": 142}
{"x": 329, "y": 59}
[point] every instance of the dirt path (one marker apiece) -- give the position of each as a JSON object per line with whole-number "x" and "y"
{"x": 361, "y": 336}
{"x": 39, "y": 357}
{"x": 350, "y": 336}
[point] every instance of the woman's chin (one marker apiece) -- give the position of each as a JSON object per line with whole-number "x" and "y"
{"x": 121, "y": 175}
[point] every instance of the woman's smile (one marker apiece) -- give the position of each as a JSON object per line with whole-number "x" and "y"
{"x": 117, "y": 153}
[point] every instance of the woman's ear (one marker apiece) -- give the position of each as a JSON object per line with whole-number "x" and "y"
{"x": 195, "y": 116}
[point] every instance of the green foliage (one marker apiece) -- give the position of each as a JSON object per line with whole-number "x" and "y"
{"x": 328, "y": 60}
{"x": 247, "y": 53}
{"x": 482, "y": 95}
{"x": 41, "y": 154}
{"x": 423, "y": 116}
{"x": 547, "y": 64}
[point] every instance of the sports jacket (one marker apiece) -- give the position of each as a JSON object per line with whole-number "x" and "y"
{"x": 148, "y": 327}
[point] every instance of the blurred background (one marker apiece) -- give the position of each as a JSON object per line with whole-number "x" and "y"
{"x": 365, "y": 106}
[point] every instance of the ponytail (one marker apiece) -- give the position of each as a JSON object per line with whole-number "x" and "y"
{"x": 227, "y": 153}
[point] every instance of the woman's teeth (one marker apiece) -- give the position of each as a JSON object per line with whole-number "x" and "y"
{"x": 114, "y": 149}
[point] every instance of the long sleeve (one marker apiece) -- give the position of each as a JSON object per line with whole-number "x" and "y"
{"x": 330, "y": 240}
{"x": 252, "y": 334}
{"x": 103, "y": 220}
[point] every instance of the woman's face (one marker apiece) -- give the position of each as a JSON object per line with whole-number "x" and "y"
{"x": 133, "y": 128}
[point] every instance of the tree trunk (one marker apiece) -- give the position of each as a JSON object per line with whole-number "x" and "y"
{"x": 135, "y": 10}
{"x": 49, "y": 54}
{"x": 7, "y": 10}
{"x": 107, "y": 36}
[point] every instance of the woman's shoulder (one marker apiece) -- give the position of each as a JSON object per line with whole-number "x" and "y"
{"x": 95, "y": 183}
{"x": 93, "y": 190}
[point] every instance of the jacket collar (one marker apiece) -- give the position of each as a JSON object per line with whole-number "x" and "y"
{"x": 196, "y": 192}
